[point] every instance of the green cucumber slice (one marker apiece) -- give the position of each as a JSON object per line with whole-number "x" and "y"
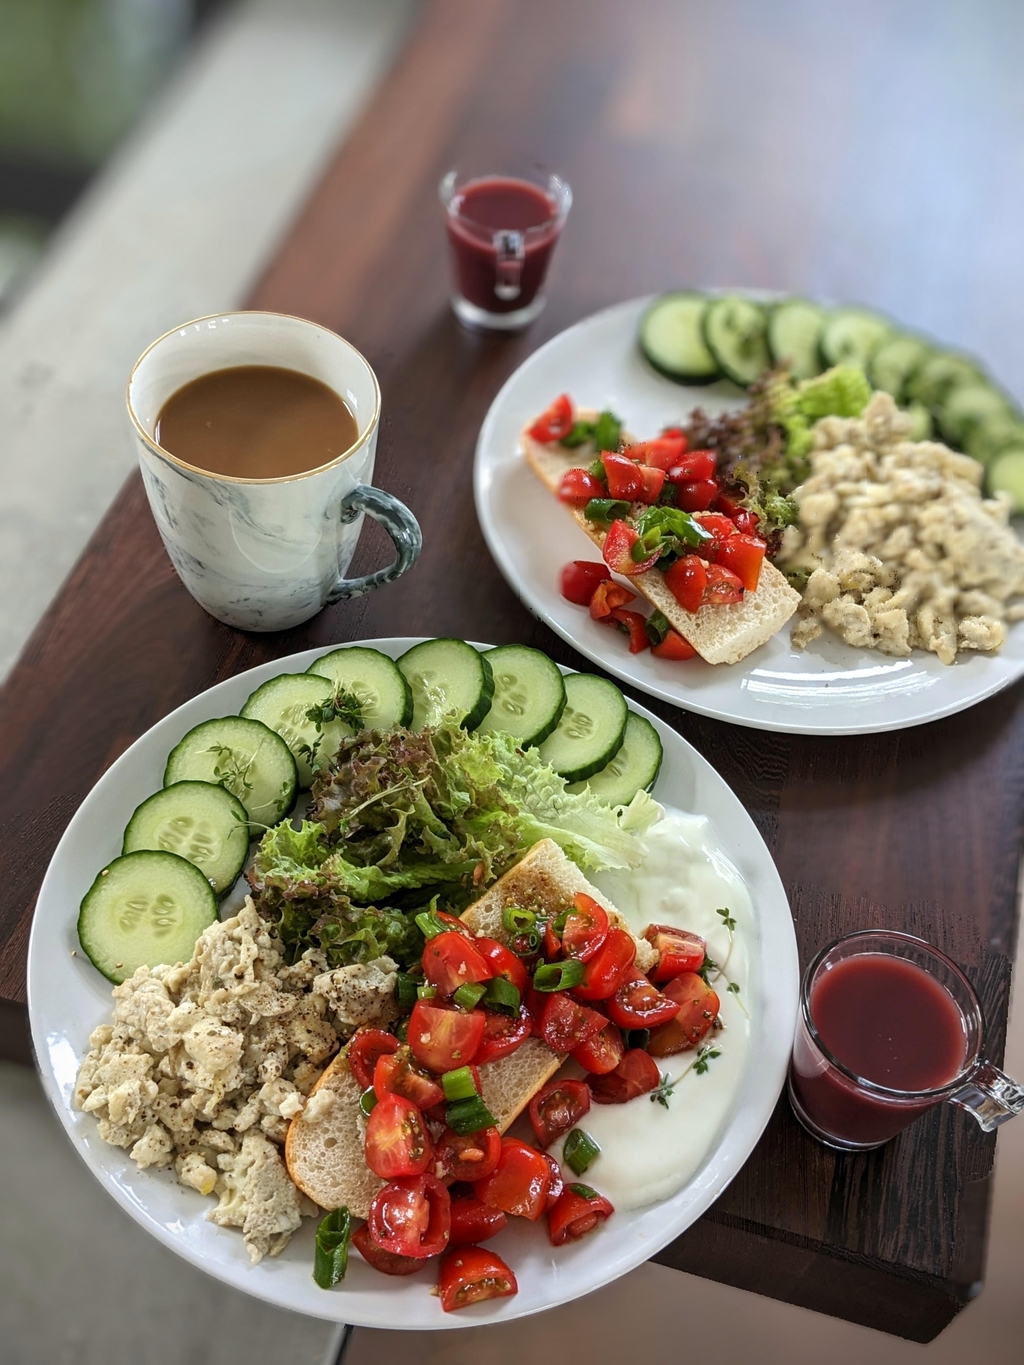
{"x": 1006, "y": 475}
{"x": 244, "y": 756}
{"x": 852, "y": 335}
{"x": 143, "y": 909}
{"x": 199, "y": 821}
{"x": 736, "y": 333}
{"x": 938, "y": 374}
{"x": 634, "y": 768}
{"x": 376, "y": 682}
{"x": 590, "y": 732}
{"x": 447, "y": 675}
{"x": 966, "y": 406}
{"x": 895, "y": 361}
{"x": 672, "y": 339}
{"x": 794, "y": 333}
{"x": 283, "y": 704}
{"x": 529, "y": 694}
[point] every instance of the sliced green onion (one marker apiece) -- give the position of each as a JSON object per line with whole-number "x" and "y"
{"x": 367, "y": 1100}
{"x": 560, "y": 921}
{"x": 596, "y": 470}
{"x": 517, "y": 921}
{"x": 425, "y": 992}
{"x": 606, "y": 509}
{"x": 639, "y": 551}
{"x": 469, "y": 995}
{"x": 402, "y": 1030}
{"x": 559, "y": 976}
{"x": 657, "y": 627}
{"x": 584, "y": 1192}
{"x": 468, "y": 1116}
{"x": 459, "y": 1084}
{"x": 429, "y": 925}
{"x": 526, "y": 944}
{"x": 405, "y": 990}
{"x": 501, "y": 996}
{"x": 579, "y": 1150}
{"x": 330, "y": 1260}
{"x": 636, "y": 1037}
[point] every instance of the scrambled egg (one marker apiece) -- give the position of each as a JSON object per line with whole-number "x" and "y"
{"x": 206, "y": 1063}
{"x": 902, "y": 549}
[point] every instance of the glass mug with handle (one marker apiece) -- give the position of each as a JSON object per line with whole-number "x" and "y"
{"x": 266, "y": 554}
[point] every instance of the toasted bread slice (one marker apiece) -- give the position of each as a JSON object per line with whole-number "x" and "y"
{"x": 324, "y": 1147}
{"x": 720, "y": 635}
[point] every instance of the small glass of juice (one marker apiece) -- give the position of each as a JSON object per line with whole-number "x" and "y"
{"x": 888, "y": 1028}
{"x": 502, "y": 230}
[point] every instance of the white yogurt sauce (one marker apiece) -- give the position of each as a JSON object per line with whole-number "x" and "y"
{"x": 648, "y": 1152}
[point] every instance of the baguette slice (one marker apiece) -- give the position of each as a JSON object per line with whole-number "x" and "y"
{"x": 324, "y": 1147}
{"x": 720, "y": 635}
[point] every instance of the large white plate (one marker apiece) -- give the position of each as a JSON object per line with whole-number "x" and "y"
{"x": 828, "y": 688}
{"x": 68, "y": 998}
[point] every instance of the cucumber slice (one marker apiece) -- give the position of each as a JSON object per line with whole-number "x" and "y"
{"x": 634, "y": 768}
{"x": 672, "y": 339}
{"x": 736, "y": 333}
{"x": 376, "y": 682}
{"x": 244, "y": 756}
{"x": 447, "y": 675}
{"x": 143, "y": 909}
{"x": 282, "y": 704}
{"x": 991, "y": 436}
{"x": 938, "y": 374}
{"x": 966, "y": 406}
{"x": 895, "y": 361}
{"x": 794, "y": 333}
{"x": 199, "y": 821}
{"x": 589, "y": 735}
{"x": 852, "y": 335}
{"x": 1006, "y": 475}
{"x": 529, "y": 694}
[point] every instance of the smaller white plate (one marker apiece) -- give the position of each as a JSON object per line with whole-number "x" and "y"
{"x": 829, "y": 688}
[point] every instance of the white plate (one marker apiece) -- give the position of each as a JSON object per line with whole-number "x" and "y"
{"x": 827, "y": 689}
{"x": 68, "y": 998}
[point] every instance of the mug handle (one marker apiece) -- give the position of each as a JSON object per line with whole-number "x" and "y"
{"x": 401, "y": 526}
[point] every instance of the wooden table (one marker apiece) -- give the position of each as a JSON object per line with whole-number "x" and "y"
{"x": 695, "y": 157}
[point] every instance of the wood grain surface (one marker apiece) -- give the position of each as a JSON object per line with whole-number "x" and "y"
{"x": 740, "y": 143}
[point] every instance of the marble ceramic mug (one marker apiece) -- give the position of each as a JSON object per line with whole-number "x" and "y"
{"x": 266, "y": 554}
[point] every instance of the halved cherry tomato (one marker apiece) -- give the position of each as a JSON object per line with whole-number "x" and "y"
{"x": 576, "y": 1214}
{"x": 519, "y": 1184}
{"x": 673, "y": 647}
{"x": 468, "y": 1156}
{"x": 472, "y": 1274}
{"x": 724, "y": 587}
{"x": 694, "y": 467}
{"x": 384, "y": 1261}
{"x": 586, "y": 927}
{"x": 661, "y": 453}
{"x": 555, "y": 1183}
{"x": 608, "y": 968}
{"x": 638, "y": 1004}
{"x": 442, "y": 1038}
{"x": 697, "y": 496}
{"x": 746, "y": 521}
{"x": 411, "y": 1217}
{"x": 501, "y": 961}
{"x": 397, "y": 1141}
{"x": 557, "y": 1107}
{"x": 555, "y": 423}
{"x": 366, "y": 1046}
{"x": 720, "y": 526}
{"x": 632, "y": 624}
{"x": 653, "y": 483}
{"x": 728, "y": 504}
{"x": 398, "y": 1074}
{"x": 678, "y": 951}
{"x": 603, "y": 1052}
{"x": 618, "y": 550}
{"x": 578, "y": 486}
{"x": 607, "y": 596}
{"x": 698, "y": 1010}
{"x": 686, "y": 580}
{"x": 451, "y": 960}
{"x": 623, "y": 477}
{"x": 566, "y": 1023}
{"x": 744, "y": 555}
{"x": 579, "y": 579}
{"x": 635, "y": 1075}
{"x": 474, "y": 1221}
{"x": 503, "y": 1033}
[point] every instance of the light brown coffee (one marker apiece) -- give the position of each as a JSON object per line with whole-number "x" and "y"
{"x": 256, "y": 422}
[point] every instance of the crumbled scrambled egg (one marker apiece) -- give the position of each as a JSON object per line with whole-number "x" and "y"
{"x": 902, "y": 549}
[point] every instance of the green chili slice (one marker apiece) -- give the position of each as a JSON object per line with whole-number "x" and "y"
{"x": 330, "y": 1260}
{"x": 579, "y": 1150}
{"x": 559, "y": 976}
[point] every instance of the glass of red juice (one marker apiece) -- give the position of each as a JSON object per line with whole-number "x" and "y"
{"x": 888, "y": 1028}
{"x": 502, "y": 230}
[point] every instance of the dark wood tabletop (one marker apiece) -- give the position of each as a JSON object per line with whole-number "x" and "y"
{"x": 864, "y": 157}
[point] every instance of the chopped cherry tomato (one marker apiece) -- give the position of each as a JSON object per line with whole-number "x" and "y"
{"x": 724, "y": 587}
{"x": 384, "y": 1261}
{"x": 638, "y": 1004}
{"x": 398, "y": 1074}
{"x": 744, "y": 555}
{"x": 576, "y": 1214}
{"x": 503, "y": 1033}
{"x": 607, "y": 597}
{"x": 451, "y": 960}
{"x": 566, "y": 1023}
{"x": 631, "y": 623}
{"x": 674, "y": 431}
{"x": 519, "y": 1185}
{"x": 453, "y": 922}
{"x": 472, "y": 1274}
{"x": 746, "y": 521}
{"x": 411, "y": 1217}
{"x": 579, "y": 579}
{"x": 664, "y": 452}
{"x": 468, "y": 1156}
{"x": 555, "y": 1181}
{"x": 728, "y": 504}
{"x": 653, "y": 483}
{"x": 618, "y": 550}
{"x": 608, "y": 968}
{"x": 552, "y": 942}
{"x": 474, "y": 1221}
{"x": 602, "y": 1053}
{"x": 586, "y": 927}
{"x": 694, "y": 467}
{"x": 557, "y": 1107}
{"x": 673, "y": 647}
{"x": 624, "y": 478}
{"x": 555, "y": 423}
{"x": 397, "y": 1141}
{"x": 678, "y": 951}
{"x": 698, "y": 1010}
{"x": 502, "y": 961}
{"x": 442, "y": 1038}
{"x": 578, "y": 486}
{"x": 722, "y": 528}
{"x": 697, "y": 496}
{"x": 635, "y": 1075}
{"x": 686, "y": 580}
{"x": 366, "y": 1046}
